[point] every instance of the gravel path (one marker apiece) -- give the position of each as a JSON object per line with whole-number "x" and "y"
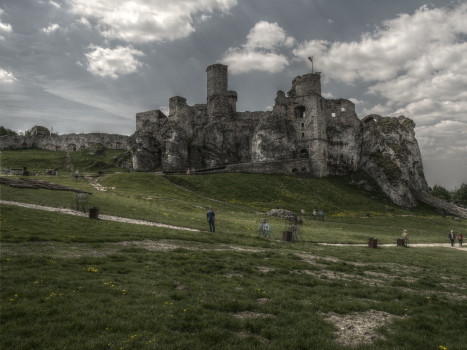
{"x": 101, "y": 217}
{"x": 417, "y": 245}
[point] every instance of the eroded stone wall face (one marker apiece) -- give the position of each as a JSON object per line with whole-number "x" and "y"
{"x": 344, "y": 136}
{"x": 149, "y": 120}
{"x": 390, "y": 154}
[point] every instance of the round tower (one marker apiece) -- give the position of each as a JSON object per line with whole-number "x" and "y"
{"x": 217, "y": 79}
{"x": 307, "y": 84}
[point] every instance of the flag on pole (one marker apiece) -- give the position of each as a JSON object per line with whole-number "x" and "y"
{"x": 311, "y": 60}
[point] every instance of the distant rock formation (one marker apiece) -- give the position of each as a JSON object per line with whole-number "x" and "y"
{"x": 305, "y": 133}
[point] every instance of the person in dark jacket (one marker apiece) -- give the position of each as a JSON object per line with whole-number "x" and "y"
{"x": 211, "y": 216}
{"x": 452, "y": 237}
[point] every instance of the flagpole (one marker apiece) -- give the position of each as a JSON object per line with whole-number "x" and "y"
{"x": 311, "y": 60}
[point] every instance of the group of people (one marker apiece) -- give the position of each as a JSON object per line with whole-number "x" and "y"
{"x": 265, "y": 227}
{"x": 51, "y": 171}
{"x": 452, "y": 237}
{"x": 318, "y": 215}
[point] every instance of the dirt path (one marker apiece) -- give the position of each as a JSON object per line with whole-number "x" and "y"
{"x": 416, "y": 245}
{"x": 101, "y": 217}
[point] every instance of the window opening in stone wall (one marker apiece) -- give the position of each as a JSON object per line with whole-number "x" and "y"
{"x": 303, "y": 134}
{"x": 294, "y": 170}
{"x": 303, "y": 125}
{"x": 342, "y": 109}
{"x": 300, "y": 112}
{"x": 333, "y": 114}
{"x": 304, "y": 153}
{"x": 304, "y": 169}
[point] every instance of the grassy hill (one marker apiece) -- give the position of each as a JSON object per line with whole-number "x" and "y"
{"x": 69, "y": 282}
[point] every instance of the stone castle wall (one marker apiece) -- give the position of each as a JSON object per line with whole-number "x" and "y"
{"x": 68, "y": 142}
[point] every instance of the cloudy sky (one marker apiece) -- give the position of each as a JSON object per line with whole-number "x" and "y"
{"x": 91, "y": 65}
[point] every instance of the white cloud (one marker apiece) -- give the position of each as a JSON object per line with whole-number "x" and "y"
{"x": 138, "y": 21}
{"x": 164, "y": 109}
{"x": 444, "y": 139}
{"x": 4, "y": 27}
{"x": 265, "y": 35}
{"x": 260, "y": 51}
{"x": 54, "y": 4}
{"x": 356, "y": 102}
{"x": 113, "y": 62}
{"x": 409, "y": 58}
{"x": 245, "y": 61}
{"x": 6, "y": 77}
{"x": 51, "y": 28}
{"x": 84, "y": 22}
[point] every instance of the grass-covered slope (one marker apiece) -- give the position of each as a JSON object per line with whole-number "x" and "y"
{"x": 69, "y": 282}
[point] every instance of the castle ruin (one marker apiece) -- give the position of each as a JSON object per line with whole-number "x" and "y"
{"x": 304, "y": 133}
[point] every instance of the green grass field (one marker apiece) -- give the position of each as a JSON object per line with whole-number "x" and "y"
{"x": 70, "y": 282}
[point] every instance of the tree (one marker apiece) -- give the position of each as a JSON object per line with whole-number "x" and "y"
{"x": 4, "y": 131}
{"x": 460, "y": 196}
{"x": 440, "y": 192}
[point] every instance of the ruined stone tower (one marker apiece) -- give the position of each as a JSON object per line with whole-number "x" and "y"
{"x": 220, "y": 102}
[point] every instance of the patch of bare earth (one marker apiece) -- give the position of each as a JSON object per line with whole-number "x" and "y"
{"x": 257, "y": 337}
{"x": 359, "y": 328}
{"x": 230, "y": 275}
{"x": 248, "y": 314}
{"x": 265, "y": 269}
{"x": 262, "y": 300}
{"x": 149, "y": 245}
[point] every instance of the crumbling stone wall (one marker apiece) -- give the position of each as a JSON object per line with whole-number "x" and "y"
{"x": 69, "y": 142}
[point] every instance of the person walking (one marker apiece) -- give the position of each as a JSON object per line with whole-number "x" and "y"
{"x": 460, "y": 238}
{"x": 321, "y": 215}
{"x": 314, "y": 214}
{"x": 452, "y": 237}
{"x": 211, "y": 217}
{"x": 405, "y": 237}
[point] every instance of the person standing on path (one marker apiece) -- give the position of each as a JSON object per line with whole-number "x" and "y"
{"x": 315, "y": 214}
{"x": 211, "y": 216}
{"x": 452, "y": 237}
{"x": 460, "y": 238}
{"x": 405, "y": 237}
